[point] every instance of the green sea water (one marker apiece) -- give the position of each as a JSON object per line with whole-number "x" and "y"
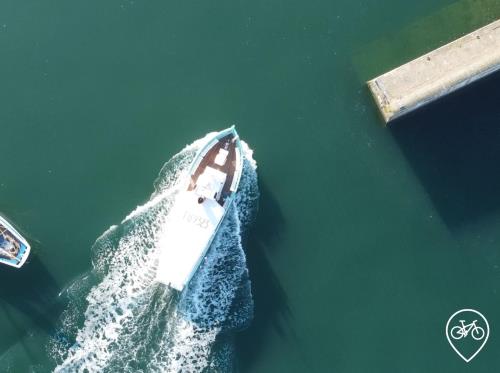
{"x": 367, "y": 238}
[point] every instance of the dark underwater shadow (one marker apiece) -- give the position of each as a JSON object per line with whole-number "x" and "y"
{"x": 271, "y": 310}
{"x": 453, "y": 145}
{"x": 32, "y": 293}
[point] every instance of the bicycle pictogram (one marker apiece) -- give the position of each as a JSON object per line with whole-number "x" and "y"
{"x": 462, "y": 331}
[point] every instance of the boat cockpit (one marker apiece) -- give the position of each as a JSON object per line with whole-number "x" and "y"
{"x": 210, "y": 184}
{"x": 9, "y": 246}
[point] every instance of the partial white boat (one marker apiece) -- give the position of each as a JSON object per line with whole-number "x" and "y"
{"x": 14, "y": 249}
{"x": 200, "y": 207}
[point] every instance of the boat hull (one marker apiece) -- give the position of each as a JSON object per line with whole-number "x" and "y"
{"x": 200, "y": 208}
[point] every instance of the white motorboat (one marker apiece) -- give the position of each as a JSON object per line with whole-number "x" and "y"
{"x": 200, "y": 207}
{"x": 14, "y": 249}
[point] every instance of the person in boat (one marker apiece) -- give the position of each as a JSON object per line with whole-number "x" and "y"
{"x": 9, "y": 247}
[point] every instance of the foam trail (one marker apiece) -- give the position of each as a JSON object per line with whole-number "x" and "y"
{"x": 128, "y": 323}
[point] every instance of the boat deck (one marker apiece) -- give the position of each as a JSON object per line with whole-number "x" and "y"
{"x": 229, "y": 143}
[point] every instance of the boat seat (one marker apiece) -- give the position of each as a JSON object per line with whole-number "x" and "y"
{"x": 221, "y": 157}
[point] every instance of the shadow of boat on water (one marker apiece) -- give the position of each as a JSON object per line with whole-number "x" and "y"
{"x": 271, "y": 304}
{"x": 453, "y": 145}
{"x": 28, "y": 299}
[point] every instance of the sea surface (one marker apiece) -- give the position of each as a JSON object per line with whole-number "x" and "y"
{"x": 350, "y": 244}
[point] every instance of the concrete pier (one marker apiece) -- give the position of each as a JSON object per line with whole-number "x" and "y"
{"x": 437, "y": 73}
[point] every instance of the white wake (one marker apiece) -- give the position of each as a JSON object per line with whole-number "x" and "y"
{"x": 119, "y": 319}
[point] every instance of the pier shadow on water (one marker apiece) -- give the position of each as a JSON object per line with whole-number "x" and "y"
{"x": 28, "y": 298}
{"x": 271, "y": 312}
{"x": 453, "y": 145}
